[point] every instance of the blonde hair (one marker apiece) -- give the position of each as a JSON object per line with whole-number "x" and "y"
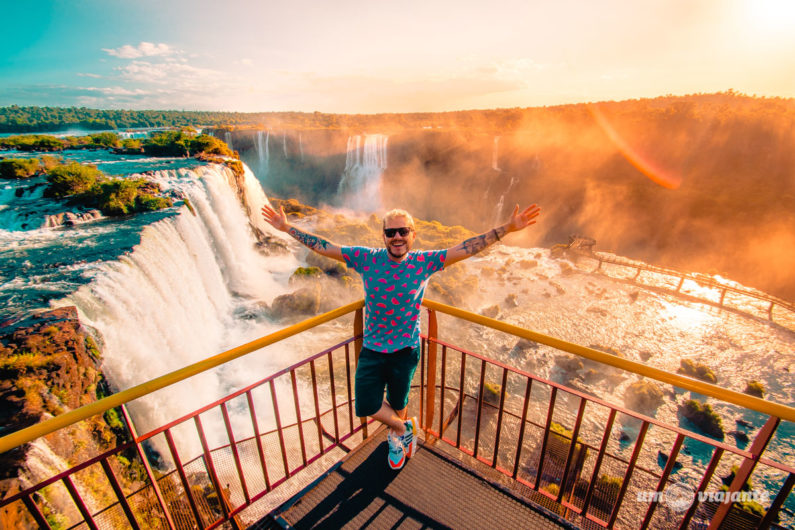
{"x": 397, "y": 212}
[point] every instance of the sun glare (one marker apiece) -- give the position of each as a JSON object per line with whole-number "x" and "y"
{"x": 772, "y": 15}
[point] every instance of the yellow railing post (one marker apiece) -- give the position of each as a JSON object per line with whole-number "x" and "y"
{"x": 430, "y": 383}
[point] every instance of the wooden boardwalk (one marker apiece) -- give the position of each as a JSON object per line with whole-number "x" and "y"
{"x": 431, "y": 491}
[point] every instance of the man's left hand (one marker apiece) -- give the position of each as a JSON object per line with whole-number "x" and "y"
{"x": 520, "y": 220}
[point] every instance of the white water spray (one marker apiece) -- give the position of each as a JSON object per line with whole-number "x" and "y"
{"x": 495, "y": 155}
{"x": 498, "y": 214}
{"x": 365, "y": 162}
{"x": 262, "y": 146}
{"x": 178, "y": 296}
{"x": 284, "y": 143}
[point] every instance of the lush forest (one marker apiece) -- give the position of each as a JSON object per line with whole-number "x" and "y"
{"x": 40, "y": 119}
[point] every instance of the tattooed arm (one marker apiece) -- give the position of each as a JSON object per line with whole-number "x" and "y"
{"x": 473, "y": 245}
{"x": 320, "y": 245}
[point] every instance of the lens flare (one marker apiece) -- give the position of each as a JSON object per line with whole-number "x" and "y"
{"x": 641, "y": 161}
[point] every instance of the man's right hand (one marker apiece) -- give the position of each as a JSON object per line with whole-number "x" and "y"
{"x": 277, "y": 220}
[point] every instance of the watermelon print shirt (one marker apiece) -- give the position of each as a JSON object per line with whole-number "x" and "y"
{"x": 393, "y": 293}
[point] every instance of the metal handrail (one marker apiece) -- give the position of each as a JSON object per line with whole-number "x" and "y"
{"x": 694, "y": 385}
{"x": 428, "y": 378}
{"x": 51, "y": 425}
{"x": 709, "y": 282}
{"x": 38, "y": 430}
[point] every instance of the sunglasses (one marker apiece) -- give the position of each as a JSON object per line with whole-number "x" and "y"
{"x": 403, "y": 231}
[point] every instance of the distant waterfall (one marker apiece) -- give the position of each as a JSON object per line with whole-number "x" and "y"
{"x": 498, "y": 214}
{"x": 262, "y": 146}
{"x": 228, "y": 139}
{"x": 284, "y": 143}
{"x": 179, "y": 296}
{"x": 365, "y": 162}
{"x": 301, "y": 145}
{"x": 495, "y": 155}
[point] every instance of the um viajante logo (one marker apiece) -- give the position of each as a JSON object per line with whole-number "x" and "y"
{"x": 679, "y": 497}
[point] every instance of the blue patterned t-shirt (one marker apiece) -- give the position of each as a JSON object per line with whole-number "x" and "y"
{"x": 393, "y": 294}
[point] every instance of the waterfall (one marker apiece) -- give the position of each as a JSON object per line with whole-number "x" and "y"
{"x": 495, "y": 155}
{"x": 178, "y": 297}
{"x": 365, "y": 162}
{"x": 228, "y": 139}
{"x": 498, "y": 215}
{"x": 284, "y": 143}
{"x": 260, "y": 147}
{"x": 301, "y": 145}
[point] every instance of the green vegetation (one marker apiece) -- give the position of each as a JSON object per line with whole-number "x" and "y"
{"x": 491, "y": 393}
{"x": 698, "y": 371}
{"x": 35, "y": 142}
{"x": 91, "y": 347}
{"x": 72, "y": 179}
{"x": 755, "y": 388}
{"x": 19, "y": 168}
{"x": 305, "y": 273}
{"x": 114, "y": 421}
{"x": 29, "y": 119}
{"x": 182, "y": 143}
{"x": 88, "y": 186}
{"x": 126, "y": 196}
{"x": 703, "y": 417}
{"x": 22, "y": 362}
{"x": 749, "y": 506}
{"x": 559, "y": 442}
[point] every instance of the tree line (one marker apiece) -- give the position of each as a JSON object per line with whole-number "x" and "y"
{"x": 729, "y": 103}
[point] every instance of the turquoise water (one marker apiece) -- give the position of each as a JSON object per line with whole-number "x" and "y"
{"x": 39, "y": 264}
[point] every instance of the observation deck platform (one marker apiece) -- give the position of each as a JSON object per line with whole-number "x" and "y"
{"x": 431, "y": 491}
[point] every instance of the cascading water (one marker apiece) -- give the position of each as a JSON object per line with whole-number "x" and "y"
{"x": 179, "y": 296}
{"x": 498, "y": 213}
{"x": 262, "y": 147}
{"x": 365, "y": 162}
{"x": 228, "y": 139}
{"x": 495, "y": 155}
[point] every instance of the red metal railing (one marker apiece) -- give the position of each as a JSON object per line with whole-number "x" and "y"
{"x": 219, "y": 484}
{"x": 523, "y": 427}
{"x": 231, "y": 461}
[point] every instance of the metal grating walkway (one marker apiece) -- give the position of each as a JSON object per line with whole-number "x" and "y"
{"x": 430, "y": 491}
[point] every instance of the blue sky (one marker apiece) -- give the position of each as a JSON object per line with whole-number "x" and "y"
{"x": 368, "y": 56}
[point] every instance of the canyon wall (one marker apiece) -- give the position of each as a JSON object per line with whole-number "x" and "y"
{"x": 701, "y": 183}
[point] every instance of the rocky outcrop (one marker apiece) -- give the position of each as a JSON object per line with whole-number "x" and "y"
{"x": 49, "y": 364}
{"x": 72, "y": 218}
{"x": 644, "y": 397}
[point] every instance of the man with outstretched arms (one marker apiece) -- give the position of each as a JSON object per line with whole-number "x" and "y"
{"x": 394, "y": 282}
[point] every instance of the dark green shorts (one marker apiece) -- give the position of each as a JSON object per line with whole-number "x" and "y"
{"x": 377, "y": 370}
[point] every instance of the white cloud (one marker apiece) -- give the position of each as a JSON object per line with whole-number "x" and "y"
{"x": 173, "y": 73}
{"x": 83, "y": 74}
{"x": 144, "y": 49}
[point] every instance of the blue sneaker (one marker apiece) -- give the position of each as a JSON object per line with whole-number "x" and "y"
{"x": 409, "y": 438}
{"x": 397, "y": 454}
